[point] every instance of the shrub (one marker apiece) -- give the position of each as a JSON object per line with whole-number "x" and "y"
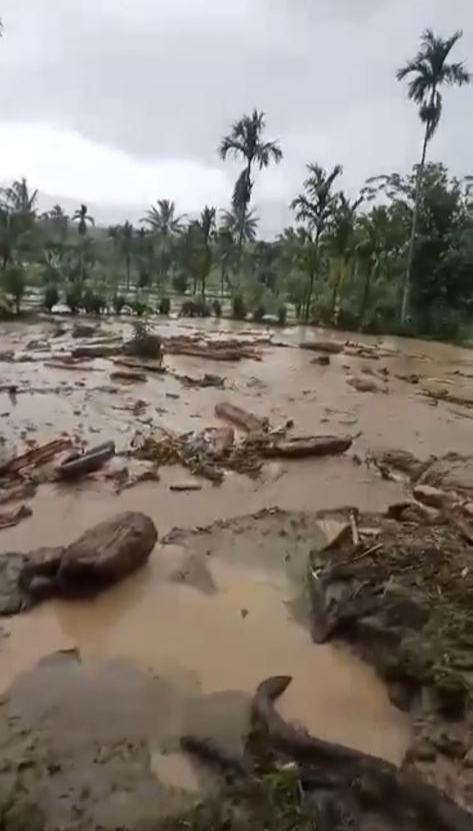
{"x": 217, "y": 308}
{"x": 50, "y": 297}
{"x": 143, "y": 343}
{"x": 164, "y": 306}
{"x": 93, "y": 302}
{"x": 282, "y": 314}
{"x": 14, "y": 284}
{"x": 118, "y": 302}
{"x": 139, "y": 307}
{"x": 259, "y": 312}
{"x": 238, "y": 307}
{"x": 73, "y": 297}
{"x": 195, "y": 308}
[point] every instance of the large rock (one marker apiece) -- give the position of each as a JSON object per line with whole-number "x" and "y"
{"x": 105, "y": 554}
{"x": 453, "y": 472}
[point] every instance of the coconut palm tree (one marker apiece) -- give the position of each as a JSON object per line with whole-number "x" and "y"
{"x": 124, "y": 239}
{"x": 315, "y": 208}
{"x": 162, "y": 218}
{"x": 245, "y": 141}
{"x": 428, "y": 72}
{"x": 341, "y": 245}
{"x": 20, "y": 199}
{"x": 82, "y": 218}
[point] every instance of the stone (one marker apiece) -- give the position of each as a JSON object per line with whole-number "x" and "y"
{"x": 428, "y": 495}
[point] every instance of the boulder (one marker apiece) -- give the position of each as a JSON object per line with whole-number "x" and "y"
{"x": 428, "y": 495}
{"x": 105, "y": 554}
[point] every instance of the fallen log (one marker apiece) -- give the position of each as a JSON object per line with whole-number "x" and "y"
{"x": 333, "y": 347}
{"x": 88, "y": 462}
{"x": 144, "y": 365}
{"x": 378, "y": 784}
{"x": 80, "y": 367}
{"x": 99, "y": 351}
{"x": 305, "y": 446}
{"x": 35, "y": 457}
{"x": 128, "y": 375}
{"x": 241, "y": 418}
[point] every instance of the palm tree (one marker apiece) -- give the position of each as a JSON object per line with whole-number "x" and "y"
{"x": 340, "y": 244}
{"x": 82, "y": 218}
{"x": 162, "y": 218}
{"x": 372, "y": 251}
{"x": 20, "y": 199}
{"x": 428, "y": 72}
{"x": 56, "y": 220}
{"x": 243, "y": 228}
{"x": 245, "y": 141}
{"x": 315, "y": 208}
{"x": 124, "y": 238}
{"x": 207, "y": 225}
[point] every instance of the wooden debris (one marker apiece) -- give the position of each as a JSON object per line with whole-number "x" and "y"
{"x": 105, "y": 350}
{"x": 10, "y": 518}
{"x": 186, "y": 486}
{"x": 333, "y": 347}
{"x": 305, "y": 446}
{"x": 88, "y": 462}
{"x": 366, "y": 384}
{"x": 144, "y": 364}
{"x": 128, "y": 375}
{"x": 23, "y": 491}
{"x": 241, "y": 418}
{"x": 35, "y": 457}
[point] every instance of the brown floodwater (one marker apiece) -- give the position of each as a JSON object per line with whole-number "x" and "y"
{"x": 234, "y": 630}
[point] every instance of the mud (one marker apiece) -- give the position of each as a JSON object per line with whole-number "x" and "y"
{"x": 213, "y": 613}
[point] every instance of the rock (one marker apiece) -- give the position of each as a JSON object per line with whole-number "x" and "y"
{"x": 452, "y": 472}
{"x": 393, "y": 462}
{"x": 428, "y": 495}
{"x": 321, "y": 360}
{"x": 83, "y": 330}
{"x": 105, "y": 554}
{"x": 409, "y": 511}
{"x": 366, "y": 384}
{"x": 11, "y": 598}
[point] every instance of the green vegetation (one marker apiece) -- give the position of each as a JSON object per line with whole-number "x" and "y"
{"x": 397, "y": 258}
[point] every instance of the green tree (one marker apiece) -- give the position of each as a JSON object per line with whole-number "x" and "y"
{"x": 14, "y": 284}
{"x": 245, "y": 141}
{"x": 124, "y": 239}
{"x": 165, "y": 225}
{"x": 341, "y": 245}
{"x": 83, "y": 220}
{"x": 315, "y": 207}
{"x": 428, "y": 72}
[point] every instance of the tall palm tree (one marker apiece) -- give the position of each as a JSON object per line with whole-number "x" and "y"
{"x": 124, "y": 239}
{"x": 245, "y": 141}
{"x": 20, "y": 199}
{"x": 315, "y": 208}
{"x": 162, "y": 218}
{"x": 341, "y": 244}
{"x": 428, "y": 72}
{"x": 207, "y": 225}
{"x": 243, "y": 228}
{"x": 82, "y": 218}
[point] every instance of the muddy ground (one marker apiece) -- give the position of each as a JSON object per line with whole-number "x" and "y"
{"x": 90, "y": 738}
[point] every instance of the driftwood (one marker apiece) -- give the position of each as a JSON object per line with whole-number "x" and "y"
{"x": 105, "y": 554}
{"x": 88, "y": 462}
{"x": 35, "y": 457}
{"x": 363, "y": 384}
{"x": 98, "y": 351}
{"x": 130, "y": 375}
{"x": 241, "y": 418}
{"x": 379, "y": 784}
{"x": 230, "y": 350}
{"x": 10, "y": 518}
{"x": 304, "y": 446}
{"x": 144, "y": 365}
{"x": 333, "y": 347}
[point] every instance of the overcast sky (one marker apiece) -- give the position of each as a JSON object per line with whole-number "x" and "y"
{"x": 120, "y": 102}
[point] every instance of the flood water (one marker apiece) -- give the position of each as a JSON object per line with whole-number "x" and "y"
{"x": 231, "y": 629}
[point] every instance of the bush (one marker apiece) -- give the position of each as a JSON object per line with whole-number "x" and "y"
{"x": 143, "y": 343}
{"x": 239, "y": 311}
{"x": 195, "y": 308}
{"x": 73, "y": 297}
{"x": 164, "y": 306}
{"x": 14, "y": 284}
{"x": 50, "y": 297}
{"x": 282, "y": 315}
{"x": 93, "y": 302}
{"x": 118, "y": 302}
{"x": 259, "y": 312}
{"x": 139, "y": 307}
{"x": 217, "y": 308}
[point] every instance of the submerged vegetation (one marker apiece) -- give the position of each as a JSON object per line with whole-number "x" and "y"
{"x": 397, "y": 257}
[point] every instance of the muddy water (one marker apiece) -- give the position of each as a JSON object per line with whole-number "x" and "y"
{"x": 233, "y": 628}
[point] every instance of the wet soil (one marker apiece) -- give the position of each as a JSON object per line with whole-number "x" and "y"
{"x": 214, "y": 612}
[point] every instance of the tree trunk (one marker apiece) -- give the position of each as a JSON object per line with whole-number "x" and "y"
{"x": 313, "y": 266}
{"x": 127, "y": 265}
{"x": 412, "y": 241}
{"x": 366, "y": 297}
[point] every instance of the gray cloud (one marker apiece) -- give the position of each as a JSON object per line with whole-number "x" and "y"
{"x": 163, "y": 79}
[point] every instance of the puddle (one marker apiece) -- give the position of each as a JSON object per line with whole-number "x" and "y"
{"x": 229, "y": 637}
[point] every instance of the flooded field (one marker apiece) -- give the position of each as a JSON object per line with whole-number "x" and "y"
{"x": 212, "y": 614}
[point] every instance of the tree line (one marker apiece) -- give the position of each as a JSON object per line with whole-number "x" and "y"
{"x": 397, "y": 257}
